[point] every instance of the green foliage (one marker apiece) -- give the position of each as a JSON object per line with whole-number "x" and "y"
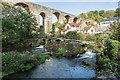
{"x": 74, "y": 35}
{"x": 108, "y": 14}
{"x": 82, "y": 16}
{"x": 61, "y": 51}
{"x": 109, "y": 58}
{"x": 81, "y": 52}
{"x": 111, "y": 49}
{"x": 89, "y": 14}
{"x": 103, "y": 60}
{"x": 18, "y": 25}
{"x": 53, "y": 30}
{"x": 56, "y": 24}
{"x": 101, "y": 12}
{"x": 95, "y": 13}
{"x": 14, "y": 61}
{"x": 98, "y": 16}
{"x": 89, "y": 46}
{"x": 115, "y": 31}
{"x": 117, "y": 12}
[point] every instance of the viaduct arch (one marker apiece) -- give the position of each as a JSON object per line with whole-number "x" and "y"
{"x": 45, "y": 12}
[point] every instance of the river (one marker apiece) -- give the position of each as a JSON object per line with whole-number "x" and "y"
{"x": 58, "y": 68}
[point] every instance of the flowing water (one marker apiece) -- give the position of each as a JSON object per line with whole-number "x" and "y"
{"x": 60, "y": 68}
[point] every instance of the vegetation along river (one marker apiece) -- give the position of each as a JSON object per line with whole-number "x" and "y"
{"x": 61, "y": 67}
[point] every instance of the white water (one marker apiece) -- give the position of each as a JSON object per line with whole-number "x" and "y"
{"x": 88, "y": 57}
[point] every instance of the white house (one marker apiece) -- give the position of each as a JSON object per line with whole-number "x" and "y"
{"x": 105, "y": 23}
{"x": 71, "y": 27}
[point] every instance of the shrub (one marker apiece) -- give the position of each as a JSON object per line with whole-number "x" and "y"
{"x": 61, "y": 51}
{"x": 74, "y": 35}
{"x": 14, "y": 61}
{"x": 111, "y": 49}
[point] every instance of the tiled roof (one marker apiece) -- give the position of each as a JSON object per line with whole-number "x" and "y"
{"x": 74, "y": 24}
{"x": 87, "y": 28}
{"x": 65, "y": 29}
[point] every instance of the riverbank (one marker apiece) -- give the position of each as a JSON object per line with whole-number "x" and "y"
{"x": 54, "y": 68}
{"x": 13, "y": 62}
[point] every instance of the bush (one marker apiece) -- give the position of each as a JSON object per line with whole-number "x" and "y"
{"x": 74, "y": 35}
{"x": 111, "y": 49}
{"x": 61, "y": 51}
{"x": 14, "y": 61}
{"x": 89, "y": 46}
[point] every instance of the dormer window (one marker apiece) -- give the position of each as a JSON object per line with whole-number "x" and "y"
{"x": 67, "y": 27}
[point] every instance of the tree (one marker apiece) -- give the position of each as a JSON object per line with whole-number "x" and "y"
{"x": 74, "y": 35}
{"x": 56, "y": 24}
{"x": 18, "y": 25}
{"x": 64, "y": 21}
{"x": 108, "y": 14}
{"x": 89, "y": 14}
{"x": 82, "y": 16}
{"x": 98, "y": 18}
{"x": 117, "y": 12}
{"x": 115, "y": 31}
{"x": 53, "y": 30}
{"x": 95, "y": 13}
{"x": 101, "y": 12}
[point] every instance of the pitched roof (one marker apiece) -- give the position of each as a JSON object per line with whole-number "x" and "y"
{"x": 110, "y": 19}
{"x": 66, "y": 29}
{"x": 75, "y": 24}
{"x": 87, "y": 28}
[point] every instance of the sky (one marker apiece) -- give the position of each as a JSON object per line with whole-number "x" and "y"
{"x": 77, "y": 6}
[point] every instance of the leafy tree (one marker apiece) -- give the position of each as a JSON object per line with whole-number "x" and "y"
{"x": 108, "y": 14}
{"x": 117, "y": 12}
{"x": 53, "y": 30}
{"x": 98, "y": 18}
{"x": 82, "y": 16}
{"x": 89, "y": 14}
{"x": 95, "y": 13}
{"x": 56, "y": 24}
{"x": 18, "y": 25}
{"x": 115, "y": 31}
{"x": 64, "y": 21}
{"x": 101, "y": 12}
{"x": 74, "y": 35}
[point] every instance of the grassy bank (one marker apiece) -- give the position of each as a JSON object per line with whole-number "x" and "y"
{"x": 13, "y": 62}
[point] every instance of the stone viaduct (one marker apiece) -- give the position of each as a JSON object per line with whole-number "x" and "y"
{"x": 45, "y": 12}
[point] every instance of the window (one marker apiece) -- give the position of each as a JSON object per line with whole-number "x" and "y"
{"x": 92, "y": 30}
{"x": 67, "y": 27}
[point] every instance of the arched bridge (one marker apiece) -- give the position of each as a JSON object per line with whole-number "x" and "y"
{"x": 45, "y": 12}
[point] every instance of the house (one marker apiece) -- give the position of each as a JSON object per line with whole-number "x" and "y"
{"x": 105, "y": 23}
{"x": 89, "y": 30}
{"x": 71, "y": 27}
{"x": 79, "y": 27}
